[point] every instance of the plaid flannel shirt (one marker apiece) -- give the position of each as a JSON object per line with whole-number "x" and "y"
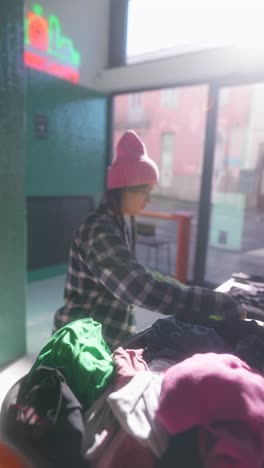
{"x": 105, "y": 280}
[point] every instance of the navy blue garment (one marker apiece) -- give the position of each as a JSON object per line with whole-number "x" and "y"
{"x": 170, "y": 339}
{"x": 251, "y": 350}
{"x": 246, "y": 339}
{"x": 182, "y": 452}
{"x": 234, "y": 331}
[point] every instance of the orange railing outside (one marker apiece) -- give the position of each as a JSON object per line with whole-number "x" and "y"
{"x": 183, "y": 219}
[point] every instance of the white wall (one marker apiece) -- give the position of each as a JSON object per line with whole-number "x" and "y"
{"x": 181, "y": 69}
{"x": 86, "y": 22}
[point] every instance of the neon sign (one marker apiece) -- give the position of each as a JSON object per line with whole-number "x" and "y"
{"x": 46, "y": 50}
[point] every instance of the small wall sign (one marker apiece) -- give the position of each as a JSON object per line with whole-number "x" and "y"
{"x": 41, "y": 127}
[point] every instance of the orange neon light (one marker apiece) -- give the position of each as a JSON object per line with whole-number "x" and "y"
{"x": 32, "y": 60}
{"x": 47, "y": 50}
{"x": 38, "y": 31}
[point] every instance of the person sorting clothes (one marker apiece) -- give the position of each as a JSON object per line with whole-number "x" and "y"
{"x": 105, "y": 279}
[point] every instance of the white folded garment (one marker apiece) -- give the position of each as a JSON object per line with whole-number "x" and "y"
{"x": 135, "y": 405}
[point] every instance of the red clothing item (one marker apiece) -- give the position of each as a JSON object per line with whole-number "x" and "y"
{"x": 225, "y": 398}
{"x": 229, "y": 445}
{"x": 125, "y": 452}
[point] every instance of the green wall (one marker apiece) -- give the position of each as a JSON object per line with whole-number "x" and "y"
{"x": 12, "y": 188}
{"x": 72, "y": 160}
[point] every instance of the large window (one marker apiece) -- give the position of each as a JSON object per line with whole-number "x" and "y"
{"x": 171, "y": 122}
{"x": 167, "y": 27}
{"x": 236, "y": 239}
{"x": 175, "y": 140}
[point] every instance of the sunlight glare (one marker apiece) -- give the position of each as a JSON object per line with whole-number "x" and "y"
{"x": 156, "y": 25}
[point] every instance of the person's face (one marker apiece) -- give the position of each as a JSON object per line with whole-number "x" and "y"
{"x": 134, "y": 200}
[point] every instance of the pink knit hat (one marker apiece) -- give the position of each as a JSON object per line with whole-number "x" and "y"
{"x": 132, "y": 165}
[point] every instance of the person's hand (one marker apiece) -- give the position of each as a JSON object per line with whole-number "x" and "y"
{"x": 232, "y": 309}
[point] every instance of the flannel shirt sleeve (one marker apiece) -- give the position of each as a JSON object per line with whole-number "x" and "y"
{"x": 118, "y": 270}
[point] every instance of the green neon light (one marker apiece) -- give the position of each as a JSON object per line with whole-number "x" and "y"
{"x": 38, "y": 9}
{"x": 56, "y": 41}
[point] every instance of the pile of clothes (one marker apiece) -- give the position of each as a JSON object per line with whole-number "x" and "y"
{"x": 185, "y": 395}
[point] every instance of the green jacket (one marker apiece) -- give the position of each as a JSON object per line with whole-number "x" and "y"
{"x": 79, "y": 349}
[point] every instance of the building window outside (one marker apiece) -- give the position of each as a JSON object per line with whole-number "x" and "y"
{"x": 167, "y": 159}
{"x": 136, "y": 112}
{"x": 168, "y": 97}
{"x": 135, "y": 100}
{"x": 224, "y": 97}
{"x": 236, "y": 147}
{"x": 168, "y": 142}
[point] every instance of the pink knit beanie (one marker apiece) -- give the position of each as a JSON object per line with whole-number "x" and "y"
{"x": 132, "y": 165}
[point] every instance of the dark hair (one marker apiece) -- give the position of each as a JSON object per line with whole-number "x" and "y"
{"x": 114, "y": 197}
{"x": 114, "y": 200}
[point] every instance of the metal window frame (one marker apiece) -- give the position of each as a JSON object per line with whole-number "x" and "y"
{"x": 214, "y": 89}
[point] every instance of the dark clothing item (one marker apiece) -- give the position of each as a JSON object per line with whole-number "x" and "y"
{"x": 251, "y": 350}
{"x": 182, "y": 452}
{"x": 252, "y": 300}
{"x": 44, "y": 419}
{"x": 233, "y": 332}
{"x": 170, "y": 339}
